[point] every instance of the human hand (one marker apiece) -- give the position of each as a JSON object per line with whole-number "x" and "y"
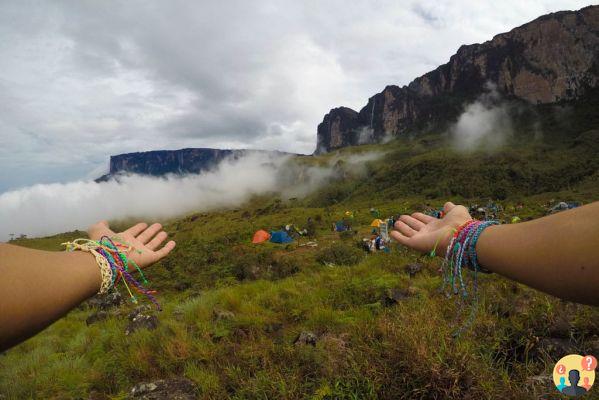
{"x": 421, "y": 232}
{"x": 144, "y": 240}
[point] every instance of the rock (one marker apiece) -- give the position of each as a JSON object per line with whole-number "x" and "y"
{"x": 106, "y": 301}
{"x": 339, "y": 128}
{"x": 144, "y": 308}
{"x": 139, "y": 320}
{"x": 527, "y": 63}
{"x": 306, "y": 338}
{"x": 165, "y": 389}
{"x": 222, "y": 315}
{"x": 95, "y": 317}
{"x": 413, "y": 268}
{"x": 393, "y": 296}
{"x": 185, "y": 161}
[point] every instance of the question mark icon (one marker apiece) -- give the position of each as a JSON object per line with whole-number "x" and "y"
{"x": 561, "y": 369}
{"x": 589, "y": 363}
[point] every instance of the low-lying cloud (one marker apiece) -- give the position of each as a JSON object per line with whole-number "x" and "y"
{"x": 46, "y": 209}
{"x": 485, "y": 124}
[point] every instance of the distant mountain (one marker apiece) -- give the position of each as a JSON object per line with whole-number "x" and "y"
{"x": 184, "y": 161}
{"x": 551, "y": 59}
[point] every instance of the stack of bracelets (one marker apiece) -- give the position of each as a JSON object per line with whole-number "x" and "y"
{"x": 461, "y": 252}
{"x": 114, "y": 265}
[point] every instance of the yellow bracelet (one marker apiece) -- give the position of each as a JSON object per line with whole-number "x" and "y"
{"x": 90, "y": 246}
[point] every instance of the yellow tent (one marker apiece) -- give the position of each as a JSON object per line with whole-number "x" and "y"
{"x": 376, "y": 223}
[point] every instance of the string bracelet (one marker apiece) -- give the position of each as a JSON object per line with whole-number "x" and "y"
{"x": 461, "y": 254}
{"x": 89, "y": 246}
{"x": 114, "y": 266}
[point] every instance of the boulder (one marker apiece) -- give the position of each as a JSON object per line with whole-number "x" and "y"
{"x": 306, "y": 338}
{"x": 141, "y": 319}
{"x": 413, "y": 268}
{"x": 165, "y": 389}
{"x": 106, "y": 301}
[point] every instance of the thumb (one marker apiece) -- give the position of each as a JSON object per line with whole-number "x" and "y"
{"x": 448, "y": 207}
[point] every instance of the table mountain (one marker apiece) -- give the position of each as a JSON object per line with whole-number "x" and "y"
{"x": 551, "y": 59}
{"x": 162, "y": 162}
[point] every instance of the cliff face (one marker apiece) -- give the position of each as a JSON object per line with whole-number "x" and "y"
{"x": 161, "y": 162}
{"x": 553, "y": 58}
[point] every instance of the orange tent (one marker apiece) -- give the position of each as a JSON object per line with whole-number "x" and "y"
{"x": 260, "y": 236}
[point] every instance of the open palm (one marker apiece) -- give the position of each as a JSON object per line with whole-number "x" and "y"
{"x": 422, "y": 232}
{"x": 144, "y": 239}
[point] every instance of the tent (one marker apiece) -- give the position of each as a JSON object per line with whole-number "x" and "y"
{"x": 376, "y": 223}
{"x": 340, "y": 226}
{"x": 260, "y": 236}
{"x": 280, "y": 237}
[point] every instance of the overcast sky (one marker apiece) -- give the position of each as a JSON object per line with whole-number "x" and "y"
{"x": 81, "y": 80}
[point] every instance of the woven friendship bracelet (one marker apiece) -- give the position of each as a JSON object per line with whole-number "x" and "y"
{"x": 114, "y": 266}
{"x": 461, "y": 252}
{"x": 89, "y": 246}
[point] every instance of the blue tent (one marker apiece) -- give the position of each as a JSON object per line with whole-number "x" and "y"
{"x": 280, "y": 237}
{"x": 340, "y": 226}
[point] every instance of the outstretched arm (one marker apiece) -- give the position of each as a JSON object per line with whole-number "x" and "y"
{"x": 38, "y": 287}
{"x": 558, "y": 254}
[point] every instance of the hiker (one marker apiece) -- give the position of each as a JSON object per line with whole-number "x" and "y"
{"x": 557, "y": 254}
{"x": 38, "y": 287}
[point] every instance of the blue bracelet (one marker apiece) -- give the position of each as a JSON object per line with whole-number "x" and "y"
{"x": 472, "y": 255}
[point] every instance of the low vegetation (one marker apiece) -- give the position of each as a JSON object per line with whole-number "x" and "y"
{"x": 234, "y": 311}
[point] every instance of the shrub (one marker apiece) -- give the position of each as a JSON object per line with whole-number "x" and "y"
{"x": 340, "y": 254}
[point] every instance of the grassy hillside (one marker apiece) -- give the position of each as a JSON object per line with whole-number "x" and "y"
{"x": 233, "y": 310}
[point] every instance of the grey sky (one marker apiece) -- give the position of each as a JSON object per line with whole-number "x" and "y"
{"x": 81, "y": 80}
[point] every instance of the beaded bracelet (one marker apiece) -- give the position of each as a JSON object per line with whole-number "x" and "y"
{"x": 114, "y": 265}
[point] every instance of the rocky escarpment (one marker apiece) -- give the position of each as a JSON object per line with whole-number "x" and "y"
{"x": 553, "y": 58}
{"x": 162, "y": 162}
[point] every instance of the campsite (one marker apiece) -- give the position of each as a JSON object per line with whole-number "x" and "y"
{"x": 249, "y": 318}
{"x": 291, "y": 200}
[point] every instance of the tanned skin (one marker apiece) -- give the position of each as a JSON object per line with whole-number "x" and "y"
{"x": 557, "y": 254}
{"x": 38, "y": 287}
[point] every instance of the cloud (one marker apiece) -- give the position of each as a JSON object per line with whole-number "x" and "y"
{"x": 85, "y": 80}
{"x": 45, "y": 209}
{"x": 484, "y": 124}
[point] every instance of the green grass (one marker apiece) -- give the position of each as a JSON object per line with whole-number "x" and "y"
{"x": 270, "y": 293}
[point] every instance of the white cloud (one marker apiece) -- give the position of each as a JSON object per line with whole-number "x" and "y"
{"x": 84, "y": 80}
{"x": 484, "y": 124}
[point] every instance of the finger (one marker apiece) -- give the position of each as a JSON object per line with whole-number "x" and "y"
{"x": 412, "y": 222}
{"x": 423, "y": 217}
{"x": 448, "y": 207}
{"x": 163, "y": 252}
{"x": 404, "y": 229}
{"x": 149, "y": 233}
{"x": 401, "y": 239}
{"x": 137, "y": 229}
{"x": 158, "y": 239}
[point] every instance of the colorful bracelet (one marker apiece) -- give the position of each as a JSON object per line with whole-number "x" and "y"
{"x": 461, "y": 252}
{"x": 114, "y": 265}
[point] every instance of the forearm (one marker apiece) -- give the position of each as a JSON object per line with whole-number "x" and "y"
{"x": 558, "y": 254}
{"x": 38, "y": 287}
